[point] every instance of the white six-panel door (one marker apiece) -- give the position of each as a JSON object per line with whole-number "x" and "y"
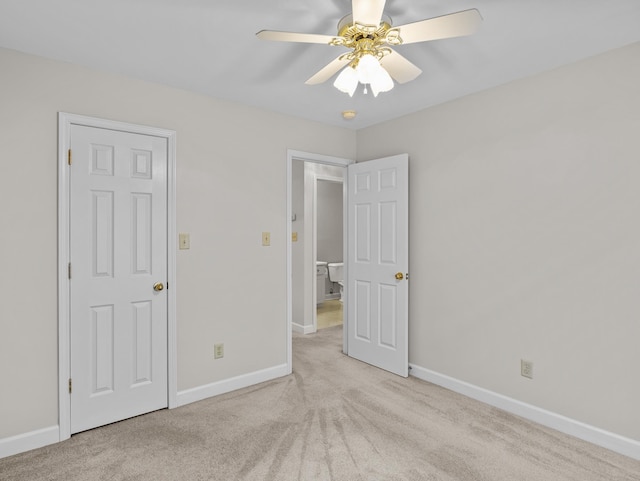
{"x": 118, "y": 251}
{"x": 378, "y": 239}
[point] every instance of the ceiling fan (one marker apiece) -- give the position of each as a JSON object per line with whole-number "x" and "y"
{"x": 369, "y": 33}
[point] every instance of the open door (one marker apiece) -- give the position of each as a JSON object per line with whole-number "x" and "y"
{"x": 378, "y": 260}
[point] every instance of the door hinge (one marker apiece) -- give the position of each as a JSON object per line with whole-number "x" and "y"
{"x": 70, "y": 386}
{"x": 69, "y": 270}
{"x": 69, "y": 157}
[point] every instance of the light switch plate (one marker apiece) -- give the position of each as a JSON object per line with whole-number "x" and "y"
{"x": 266, "y": 238}
{"x": 184, "y": 241}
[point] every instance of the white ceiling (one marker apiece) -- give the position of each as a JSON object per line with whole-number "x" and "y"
{"x": 209, "y": 46}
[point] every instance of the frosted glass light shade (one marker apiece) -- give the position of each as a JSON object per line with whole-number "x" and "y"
{"x": 382, "y": 82}
{"x": 367, "y": 69}
{"x": 347, "y": 81}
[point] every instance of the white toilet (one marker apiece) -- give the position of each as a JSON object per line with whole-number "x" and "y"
{"x": 336, "y": 274}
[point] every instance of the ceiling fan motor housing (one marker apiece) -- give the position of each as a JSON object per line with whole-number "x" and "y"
{"x": 366, "y": 39}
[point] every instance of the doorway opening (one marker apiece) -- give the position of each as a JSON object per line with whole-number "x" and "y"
{"x": 310, "y": 179}
{"x": 329, "y": 239}
{"x": 375, "y": 256}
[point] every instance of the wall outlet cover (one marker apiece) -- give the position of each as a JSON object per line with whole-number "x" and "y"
{"x": 526, "y": 368}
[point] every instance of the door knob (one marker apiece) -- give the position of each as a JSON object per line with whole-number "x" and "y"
{"x": 399, "y": 276}
{"x": 158, "y": 286}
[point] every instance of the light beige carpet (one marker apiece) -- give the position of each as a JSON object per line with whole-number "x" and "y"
{"x": 333, "y": 419}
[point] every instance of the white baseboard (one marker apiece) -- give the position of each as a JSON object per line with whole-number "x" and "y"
{"x": 227, "y": 385}
{"x": 28, "y": 441}
{"x": 620, "y": 444}
{"x": 302, "y": 329}
{"x": 43, "y": 437}
{"x": 600, "y": 437}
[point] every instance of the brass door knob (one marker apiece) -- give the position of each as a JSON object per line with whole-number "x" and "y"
{"x": 158, "y": 286}
{"x": 399, "y": 276}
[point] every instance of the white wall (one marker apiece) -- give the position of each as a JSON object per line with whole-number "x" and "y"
{"x": 525, "y": 238}
{"x": 330, "y": 237}
{"x": 231, "y": 186}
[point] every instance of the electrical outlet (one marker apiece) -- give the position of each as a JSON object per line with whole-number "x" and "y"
{"x": 218, "y": 351}
{"x": 526, "y": 368}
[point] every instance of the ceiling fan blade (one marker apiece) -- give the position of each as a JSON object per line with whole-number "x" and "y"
{"x": 293, "y": 37}
{"x": 399, "y": 67}
{"x": 328, "y": 71}
{"x": 447, "y": 26}
{"x": 367, "y": 12}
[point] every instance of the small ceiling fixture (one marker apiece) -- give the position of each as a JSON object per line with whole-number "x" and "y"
{"x": 348, "y": 114}
{"x": 369, "y": 33}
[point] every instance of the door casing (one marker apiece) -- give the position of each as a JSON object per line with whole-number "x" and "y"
{"x": 65, "y": 121}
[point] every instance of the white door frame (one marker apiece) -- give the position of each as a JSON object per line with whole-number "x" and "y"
{"x": 65, "y": 121}
{"x": 320, "y": 159}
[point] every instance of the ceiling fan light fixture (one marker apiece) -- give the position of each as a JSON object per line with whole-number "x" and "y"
{"x": 368, "y": 71}
{"x": 347, "y": 81}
